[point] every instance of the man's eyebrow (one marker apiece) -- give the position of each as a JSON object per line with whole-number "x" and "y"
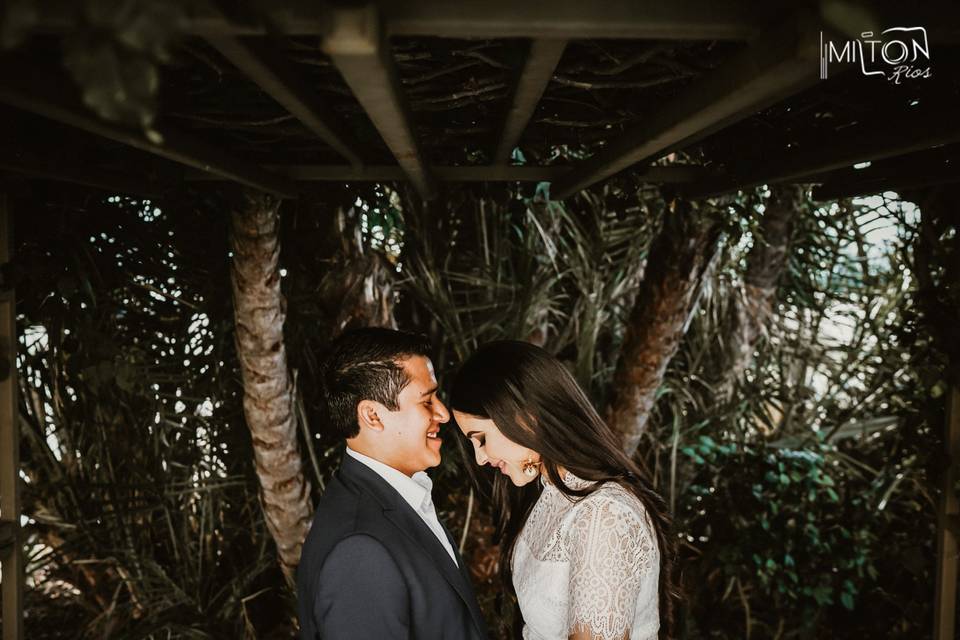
{"x": 429, "y": 391}
{"x": 470, "y": 434}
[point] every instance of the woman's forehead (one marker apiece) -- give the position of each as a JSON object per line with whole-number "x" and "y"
{"x": 475, "y": 422}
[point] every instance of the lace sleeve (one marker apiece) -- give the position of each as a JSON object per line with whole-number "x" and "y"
{"x": 612, "y": 553}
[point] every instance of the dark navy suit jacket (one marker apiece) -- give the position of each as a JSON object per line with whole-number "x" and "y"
{"x": 371, "y": 569}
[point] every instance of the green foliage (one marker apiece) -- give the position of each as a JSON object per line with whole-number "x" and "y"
{"x": 17, "y": 19}
{"x": 144, "y": 518}
{"x": 509, "y": 263}
{"x": 804, "y": 502}
{"x": 115, "y": 56}
{"x": 782, "y": 524}
{"x": 113, "y": 51}
{"x": 799, "y": 496}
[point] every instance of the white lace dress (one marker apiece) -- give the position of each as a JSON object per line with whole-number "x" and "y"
{"x": 588, "y": 566}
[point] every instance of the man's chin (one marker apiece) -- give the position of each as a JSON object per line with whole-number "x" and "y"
{"x": 427, "y": 460}
{"x": 432, "y": 454}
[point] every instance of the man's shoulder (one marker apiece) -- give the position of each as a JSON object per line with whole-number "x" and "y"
{"x": 343, "y": 510}
{"x": 338, "y": 495}
{"x": 346, "y": 506}
{"x": 342, "y": 504}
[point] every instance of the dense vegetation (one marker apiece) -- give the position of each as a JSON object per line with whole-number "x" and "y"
{"x": 803, "y": 489}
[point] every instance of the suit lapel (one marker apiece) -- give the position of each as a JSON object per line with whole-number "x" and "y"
{"x": 404, "y": 518}
{"x": 414, "y": 528}
{"x": 465, "y": 575}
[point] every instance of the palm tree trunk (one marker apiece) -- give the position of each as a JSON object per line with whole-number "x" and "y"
{"x": 751, "y": 312}
{"x": 668, "y": 293}
{"x": 268, "y": 399}
{"x": 359, "y": 283}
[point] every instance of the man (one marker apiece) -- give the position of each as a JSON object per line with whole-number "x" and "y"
{"x": 377, "y": 563}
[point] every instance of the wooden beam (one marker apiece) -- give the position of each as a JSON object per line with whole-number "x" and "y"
{"x": 11, "y": 558}
{"x": 48, "y": 168}
{"x": 42, "y": 93}
{"x": 569, "y": 19}
{"x": 646, "y": 19}
{"x": 677, "y": 174}
{"x": 819, "y": 156}
{"x": 360, "y": 51}
{"x": 278, "y": 80}
{"x": 781, "y": 63}
{"x": 537, "y": 70}
{"x": 897, "y": 174}
{"x": 945, "y": 602}
{"x": 853, "y": 17}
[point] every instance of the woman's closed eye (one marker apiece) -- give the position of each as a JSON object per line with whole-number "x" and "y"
{"x": 477, "y": 437}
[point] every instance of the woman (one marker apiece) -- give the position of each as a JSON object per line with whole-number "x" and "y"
{"x": 583, "y": 537}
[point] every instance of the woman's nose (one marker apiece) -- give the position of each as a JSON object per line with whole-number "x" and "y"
{"x": 482, "y": 458}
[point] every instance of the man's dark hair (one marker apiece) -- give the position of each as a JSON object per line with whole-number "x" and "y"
{"x": 366, "y": 364}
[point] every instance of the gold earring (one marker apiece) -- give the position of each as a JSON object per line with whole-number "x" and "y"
{"x": 530, "y": 468}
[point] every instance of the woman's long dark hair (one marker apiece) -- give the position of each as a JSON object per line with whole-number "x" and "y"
{"x": 535, "y": 402}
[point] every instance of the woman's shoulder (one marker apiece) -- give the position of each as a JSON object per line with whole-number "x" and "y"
{"x": 610, "y": 505}
{"x": 610, "y": 526}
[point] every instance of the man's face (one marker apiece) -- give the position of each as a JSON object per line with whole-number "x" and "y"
{"x": 412, "y": 432}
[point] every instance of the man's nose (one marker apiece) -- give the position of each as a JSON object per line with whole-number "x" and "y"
{"x": 440, "y": 413}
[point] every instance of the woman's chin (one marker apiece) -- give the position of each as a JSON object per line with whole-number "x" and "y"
{"x": 522, "y": 480}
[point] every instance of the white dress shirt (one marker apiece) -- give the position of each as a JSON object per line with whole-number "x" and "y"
{"x": 414, "y": 490}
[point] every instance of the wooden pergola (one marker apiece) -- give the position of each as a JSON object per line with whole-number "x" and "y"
{"x": 701, "y": 97}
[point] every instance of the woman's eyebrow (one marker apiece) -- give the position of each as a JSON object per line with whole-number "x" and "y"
{"x": 470, "y": 434}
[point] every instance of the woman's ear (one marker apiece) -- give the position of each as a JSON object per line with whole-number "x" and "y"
{"x": 367, "y": 416}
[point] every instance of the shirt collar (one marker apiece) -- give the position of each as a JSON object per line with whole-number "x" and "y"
{"x": 414, "y": 490}
{"x": 569, "y": 480}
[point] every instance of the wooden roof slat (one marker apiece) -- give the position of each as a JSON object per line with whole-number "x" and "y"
{"x": 890, "y": 182}
{"x": 30, "y": 165}
{"x": 360, "y": 51}
{"x": 777, "y": 65}
{"x": 896, "y": 174}
{"x": 40, "y": 93}
{"x": 677, "y": 174}
{"x": 538, "y": 68}
{"x": 883, "y": 141}
{"x": 278, "y": 80}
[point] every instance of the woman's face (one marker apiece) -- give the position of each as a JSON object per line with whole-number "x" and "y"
{"x": 491, "y": 447}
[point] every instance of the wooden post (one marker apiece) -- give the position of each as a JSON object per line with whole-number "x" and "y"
{"x": 11, "y": 552}
{"x": 948, "y": 516}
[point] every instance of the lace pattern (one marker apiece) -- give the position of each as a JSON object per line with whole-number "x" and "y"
{"x": 589, "y": 565}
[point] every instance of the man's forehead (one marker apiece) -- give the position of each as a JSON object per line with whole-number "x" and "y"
{"x": 420, "y": 369}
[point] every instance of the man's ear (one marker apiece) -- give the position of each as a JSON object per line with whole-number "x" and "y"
{"x": 367, "y": 416}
